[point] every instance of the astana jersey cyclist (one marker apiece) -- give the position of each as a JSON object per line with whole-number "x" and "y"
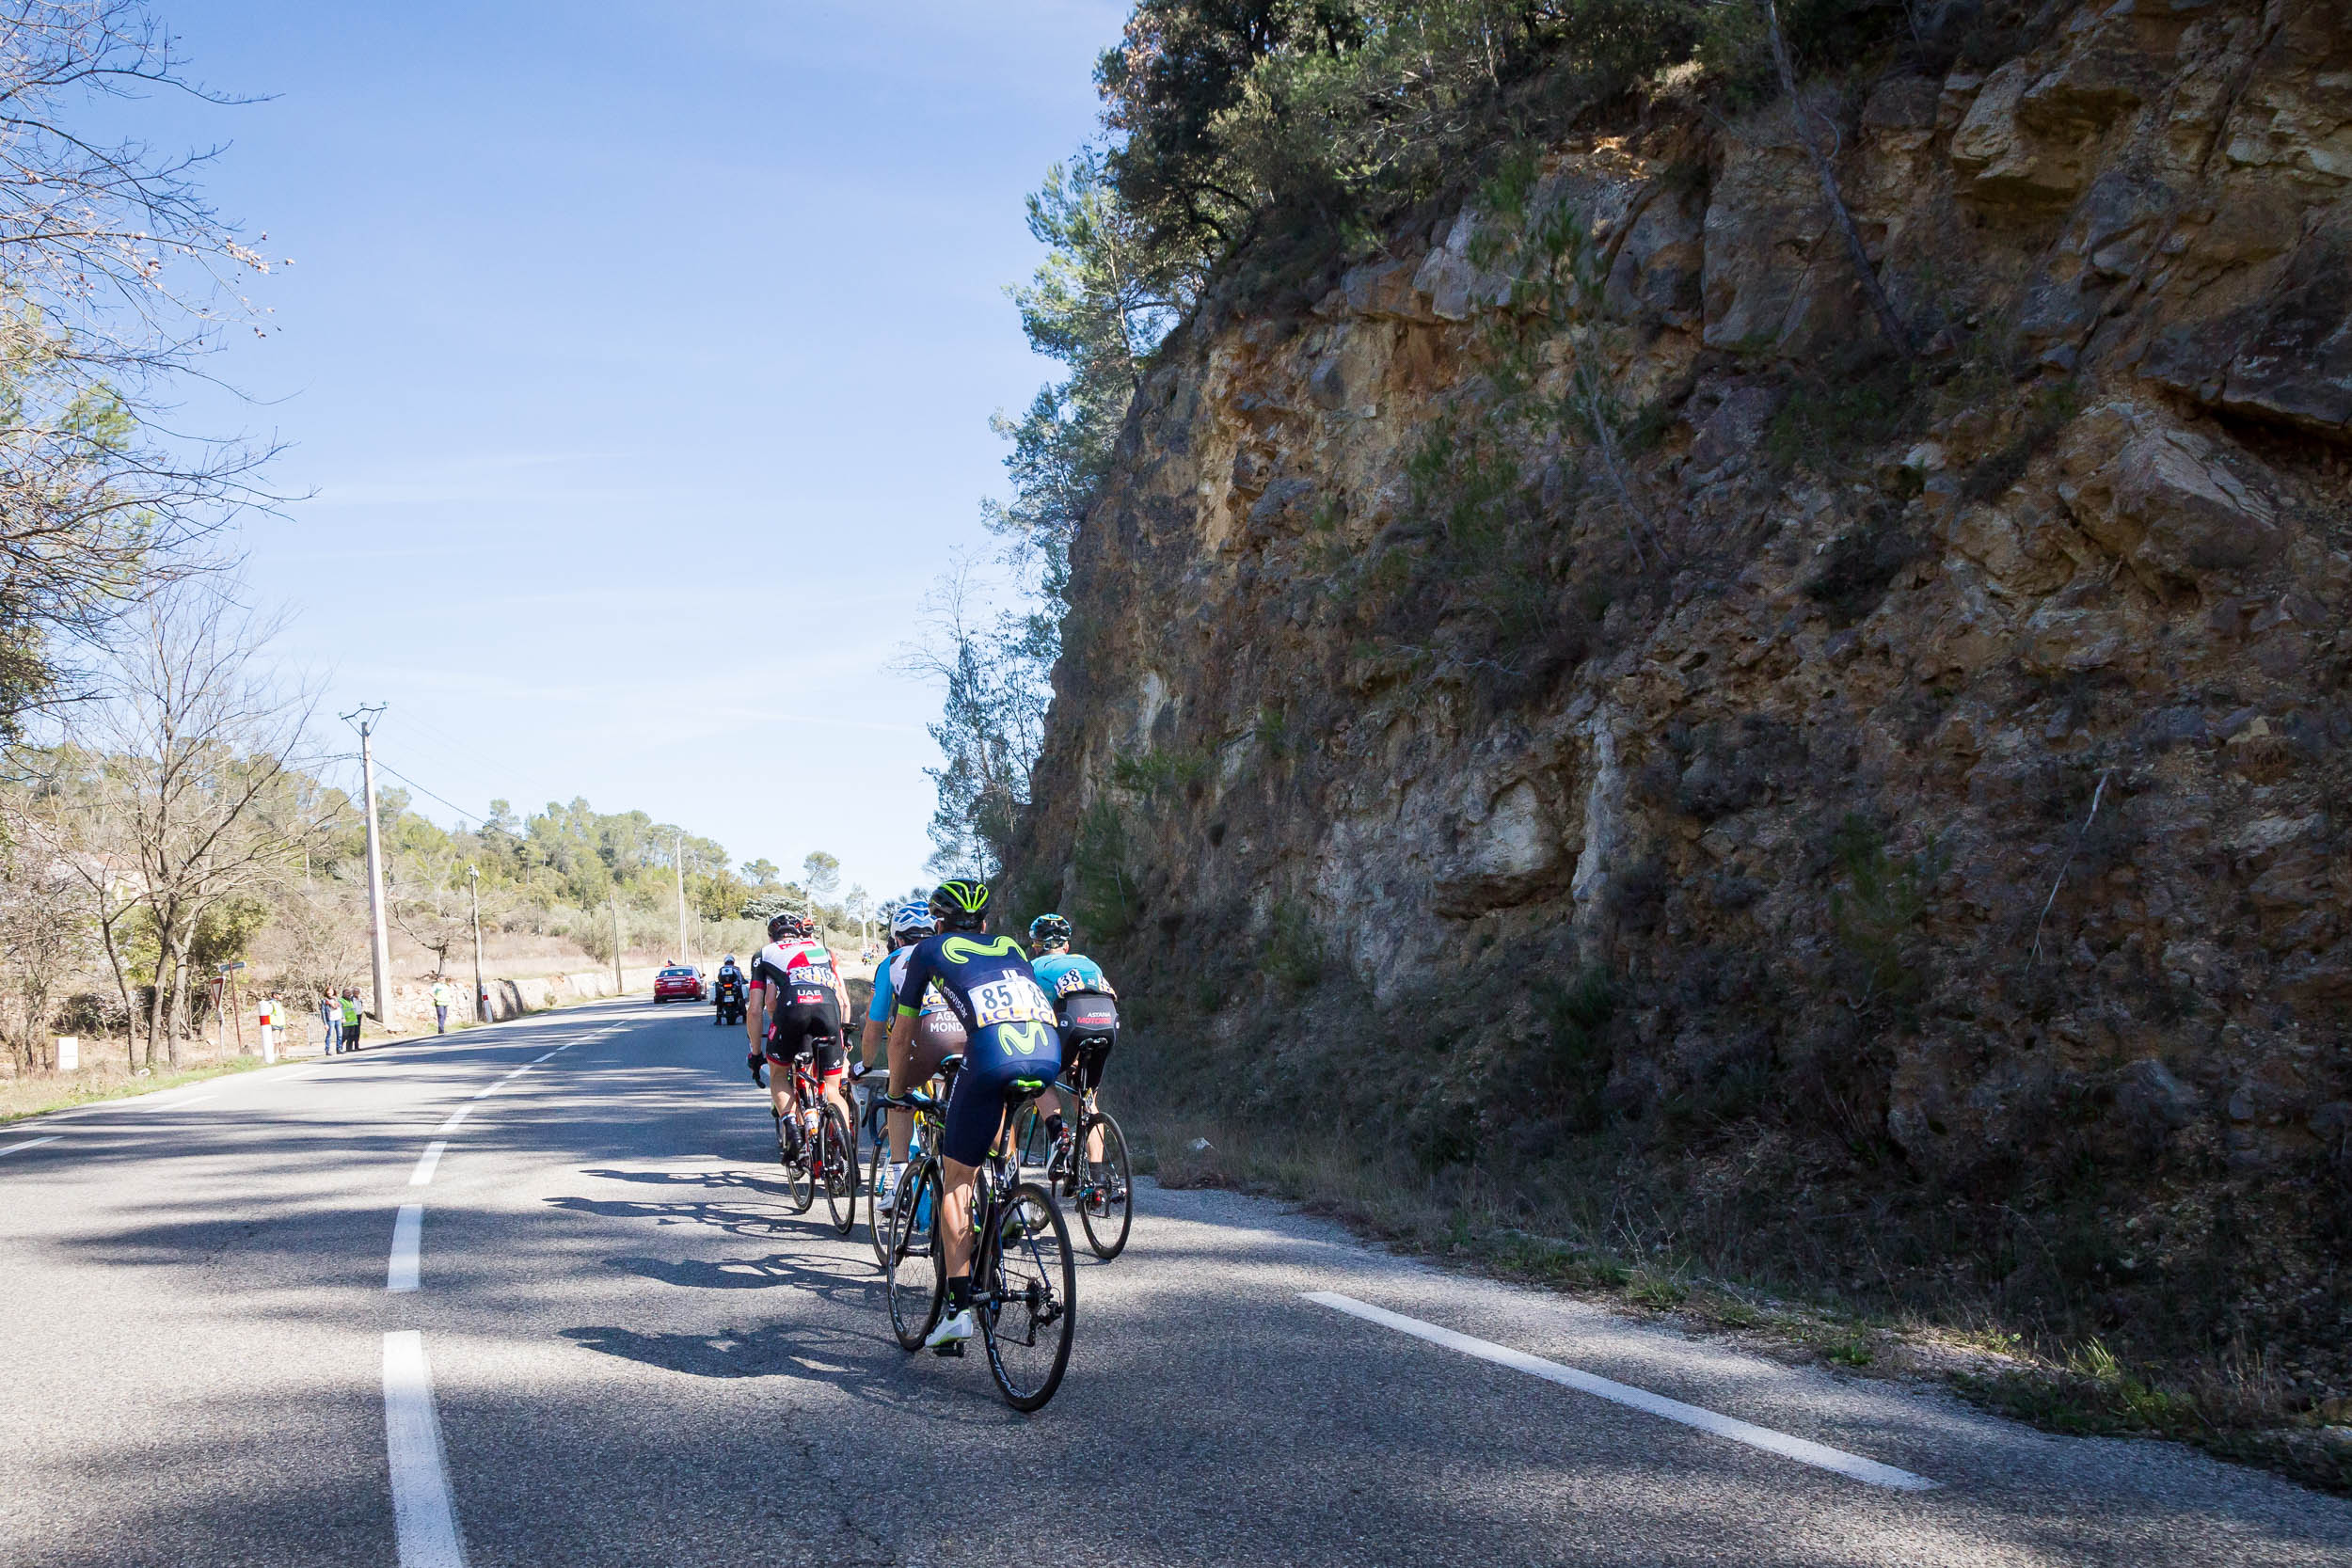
{"x": 1062, "y": 973}
{"x": 796, "y": 1005}
{"x": 991, "y": 989}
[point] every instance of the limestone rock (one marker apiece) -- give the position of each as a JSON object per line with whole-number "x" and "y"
{"x": 2161, "y": 497}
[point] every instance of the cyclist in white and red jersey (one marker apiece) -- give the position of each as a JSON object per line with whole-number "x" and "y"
{"x": 796, "y": 1006}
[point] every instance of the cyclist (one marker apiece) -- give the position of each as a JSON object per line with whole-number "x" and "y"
{"x": 908, "y": 925}
{"x": 1064, "y": 975}
{"x": 797, "y": 1000}
{"x": 989, "y": 986}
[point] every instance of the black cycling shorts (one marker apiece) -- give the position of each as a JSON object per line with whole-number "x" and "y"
{"x": 1083, "y": 1053}
{"x": 797, "y": 1028}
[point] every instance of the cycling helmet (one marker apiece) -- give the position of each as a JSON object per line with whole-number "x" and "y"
{"x": 1049, "y": 928}
{"x": 908, "y": 920}
{"x": 962, "y": 905}
{"x": 788, "y": 925}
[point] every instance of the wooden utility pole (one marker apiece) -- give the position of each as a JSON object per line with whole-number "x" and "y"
{"x": 677, "y": 863}
{"x": 379, "y": 943}
{"x": 473, "y": 895}
{"x": 614, "y": 898}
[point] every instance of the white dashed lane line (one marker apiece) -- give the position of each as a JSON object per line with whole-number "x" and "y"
{"x": 32, "y": 1143}
{"x": 424, "y": 1521}
{"x": 422, "y": 1176}
{"x": 455, "y": 1118}
{"x": 1802, "y": 1449}
{"x": 408, "y": 1237}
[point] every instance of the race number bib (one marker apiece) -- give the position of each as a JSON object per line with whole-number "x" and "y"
{"x": 1014, "y": 999}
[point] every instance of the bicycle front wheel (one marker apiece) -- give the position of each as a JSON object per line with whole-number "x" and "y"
{"x": 837, "y": 1156}
{"x": 878, "y": 1223}
{"x": 1031, "y": 1310}
{"x": 1032, "y": 1146}
{"x": 914, "y": 1268}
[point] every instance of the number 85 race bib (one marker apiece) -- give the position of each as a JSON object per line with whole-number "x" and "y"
{"x": 1015, "y": 998}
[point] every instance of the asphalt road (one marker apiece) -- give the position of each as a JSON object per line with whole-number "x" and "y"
{"x": 637, "y": 1355}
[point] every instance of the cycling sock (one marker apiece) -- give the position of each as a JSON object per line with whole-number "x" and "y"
{"x": 958, "y": 1292}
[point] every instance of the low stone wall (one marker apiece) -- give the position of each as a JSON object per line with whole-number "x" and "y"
{"x": 411, "y": 1002}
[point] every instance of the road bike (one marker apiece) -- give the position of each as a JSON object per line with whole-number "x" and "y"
{"x": 1088, "y": 1168}
{"x": 816, "y": 1147}
{"x": 921, "y": 1137}
{"x": 1025, "y": 1276}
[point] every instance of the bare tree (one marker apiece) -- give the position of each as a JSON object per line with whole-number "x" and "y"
{"x": 430, "y": 905}
{"x": 74, "y": 818}
{"x": 45, "y": 936}
{"x": 116, "y": 277}
{"x": 196, "y": 748}
{"x": 993, "y": 722}
{"x": 1802, "y": 115}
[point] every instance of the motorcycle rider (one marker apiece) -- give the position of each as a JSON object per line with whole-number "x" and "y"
{"x": 727, "y": 987}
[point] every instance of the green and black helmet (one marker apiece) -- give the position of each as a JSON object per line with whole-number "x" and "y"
{"x": 961, "y": 905}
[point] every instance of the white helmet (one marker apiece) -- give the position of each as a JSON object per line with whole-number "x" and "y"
{"x": 913, "y": 920}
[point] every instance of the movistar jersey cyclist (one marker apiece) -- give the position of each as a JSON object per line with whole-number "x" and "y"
{"x": 989, "y": 986}
{"x": 797, "y": 1000}
{"x": 1063, "y": 975}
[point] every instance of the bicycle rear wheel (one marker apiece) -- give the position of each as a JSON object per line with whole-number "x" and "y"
{"x": 1103, "y": 1186}
{"x": 837, "y": 1148}
{"x": 913, "y": 1269}
{"x": 793, "y": 1151}
{"x": 1033, "y": 1296}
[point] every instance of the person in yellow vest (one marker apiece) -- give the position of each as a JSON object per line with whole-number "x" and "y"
{"x": 442, "y": 997}
{"x": 351, "y": 1020}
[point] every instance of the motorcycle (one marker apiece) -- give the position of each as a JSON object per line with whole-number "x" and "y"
{"x": 730, "y": 999}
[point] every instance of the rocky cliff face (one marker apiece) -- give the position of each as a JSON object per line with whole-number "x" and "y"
{"x": 1789, "y": 777}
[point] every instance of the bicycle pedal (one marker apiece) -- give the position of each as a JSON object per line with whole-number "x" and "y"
{"x": 953, "y": 1348}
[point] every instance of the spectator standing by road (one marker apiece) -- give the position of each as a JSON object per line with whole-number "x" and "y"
{"x": 442, "y": 997}
{"x": 330, "y": 1023}
{"x": 351, "y": 1021}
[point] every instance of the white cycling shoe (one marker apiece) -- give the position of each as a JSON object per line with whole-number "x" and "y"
{"x": 953, "y": 1330}
{"x": 887, "y": 1199}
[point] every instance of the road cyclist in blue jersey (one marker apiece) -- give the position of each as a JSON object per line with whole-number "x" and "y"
{"x": 1064, "y": 976}
{"x": 988, "y": 984}
{"x": 936, "y": 1035}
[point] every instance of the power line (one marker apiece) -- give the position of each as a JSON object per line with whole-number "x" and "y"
{"x": 463, "y": 812}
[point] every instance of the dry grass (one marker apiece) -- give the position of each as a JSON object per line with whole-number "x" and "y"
{"x": 34, "y": 1094}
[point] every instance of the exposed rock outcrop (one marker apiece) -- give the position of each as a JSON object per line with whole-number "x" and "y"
{"x": 1954, "y": 777}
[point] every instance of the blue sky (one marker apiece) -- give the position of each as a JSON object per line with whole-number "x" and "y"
{"x": 637, "y": 362}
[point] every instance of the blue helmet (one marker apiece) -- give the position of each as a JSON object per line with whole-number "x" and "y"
{"x": 908, "y": 920}
{"x": 1049, "y": 928}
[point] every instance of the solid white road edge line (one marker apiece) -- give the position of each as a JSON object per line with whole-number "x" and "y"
{"x": 32, "y": 1143}
{"x": 408, "y": 1231}
{"x": 423, "y": 1519}
{"x": 1798, "y": 1449}
{"x": 425, "y": 1163}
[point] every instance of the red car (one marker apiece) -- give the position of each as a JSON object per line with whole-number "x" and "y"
{"x": 679, "y": 984}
